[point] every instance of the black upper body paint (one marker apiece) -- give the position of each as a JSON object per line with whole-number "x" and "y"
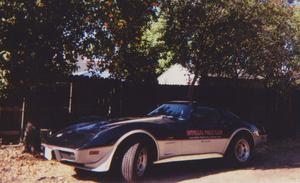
{"x": 161, "y": 127}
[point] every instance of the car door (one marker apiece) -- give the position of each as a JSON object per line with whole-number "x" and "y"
{"x": 204, "y": 132}
{"x": 172, "y": 143}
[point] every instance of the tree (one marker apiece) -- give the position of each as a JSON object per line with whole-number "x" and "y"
{"x": 118, "y": 27}
{"x": 153, "y": 43}
{"x": 296, "y": 42}
{"x": 45, "y": 38}
{"x": 232, "y": 38}
{"x": 41, "y": 38}
{"x": 4, "y": 57}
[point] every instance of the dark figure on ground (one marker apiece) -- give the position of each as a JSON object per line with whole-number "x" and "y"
{"x": 32, "y": 139}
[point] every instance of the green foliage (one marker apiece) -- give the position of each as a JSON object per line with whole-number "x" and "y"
{"x": 5, "y": 57}
{"x": 138, "y": 39}
{"x": 153, "y": 34}
{"x": 296, "y": 26}
{"x": 45, "y": 38}
{"x": 120, "y": 47}
{"x": 248, "y": 39}
{"x": 296, "y": 45}
{"x": 165, "y": 61}
{"x": 154, "y": 44}
{"x": 42, "y": 39}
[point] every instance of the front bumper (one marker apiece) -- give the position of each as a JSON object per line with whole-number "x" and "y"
{"x": 94, "y": 159}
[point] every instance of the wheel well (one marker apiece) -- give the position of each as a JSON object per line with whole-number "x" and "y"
{"x": 244, "y": 133}
{"x": 239, "y": 133}
{"x": 137, "y": 137}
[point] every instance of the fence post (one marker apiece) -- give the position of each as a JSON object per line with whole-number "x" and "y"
{"x": 121, "y": 100}
{"x": 22, "y": 119}
{"x": 70, "y": 97}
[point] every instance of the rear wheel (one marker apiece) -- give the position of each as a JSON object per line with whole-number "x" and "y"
{"x": 135, "y": 162}
{"x": 241, "y": 150}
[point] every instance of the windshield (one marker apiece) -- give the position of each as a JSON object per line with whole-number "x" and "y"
{"x": 179, "y": 111}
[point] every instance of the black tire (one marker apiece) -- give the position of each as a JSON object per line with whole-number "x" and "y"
{"x": 240, "y": 150}
{"x": 135, "y": 162}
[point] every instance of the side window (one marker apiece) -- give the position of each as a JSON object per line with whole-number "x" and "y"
{"x": 206, "y": 114}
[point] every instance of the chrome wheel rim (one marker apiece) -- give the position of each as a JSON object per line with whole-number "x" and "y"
{"x": 141, "y": 163}
{"x": 242, "y": 150}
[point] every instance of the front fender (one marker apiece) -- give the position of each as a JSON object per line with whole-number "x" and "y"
{"x": 103, "y": 166}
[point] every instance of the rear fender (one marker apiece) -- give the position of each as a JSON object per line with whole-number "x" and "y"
{"x": 234, "y": 134}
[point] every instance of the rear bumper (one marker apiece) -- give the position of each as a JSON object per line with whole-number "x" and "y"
{"x": 95, "y": 159}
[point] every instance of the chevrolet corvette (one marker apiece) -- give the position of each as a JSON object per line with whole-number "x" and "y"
{"x": 175, "y": 131}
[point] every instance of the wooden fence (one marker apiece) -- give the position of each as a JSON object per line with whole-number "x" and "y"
{"x": 57, "y": 105}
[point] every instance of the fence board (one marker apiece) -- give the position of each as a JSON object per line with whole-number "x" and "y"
{"x": 49, "y": 104}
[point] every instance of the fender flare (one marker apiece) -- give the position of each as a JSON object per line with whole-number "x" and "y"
{"x": 233, "y": 135}
{"x": 125, "y": 136}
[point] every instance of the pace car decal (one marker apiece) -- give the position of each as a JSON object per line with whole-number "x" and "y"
{"x": 204, "y": 133}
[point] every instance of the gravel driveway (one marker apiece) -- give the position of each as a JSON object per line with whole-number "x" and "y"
{"x": 279, "y": 162}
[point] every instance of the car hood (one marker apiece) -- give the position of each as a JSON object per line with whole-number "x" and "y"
{"x": 76, "y": 135}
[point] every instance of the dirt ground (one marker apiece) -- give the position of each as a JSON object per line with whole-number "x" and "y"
{"x": 279, "y": 162}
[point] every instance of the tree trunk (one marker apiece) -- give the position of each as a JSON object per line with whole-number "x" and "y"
{"x": 190, "y": 94}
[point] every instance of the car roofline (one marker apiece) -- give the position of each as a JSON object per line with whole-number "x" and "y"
{"x": 195, "y": 103}
{"x": 181, "y": 102}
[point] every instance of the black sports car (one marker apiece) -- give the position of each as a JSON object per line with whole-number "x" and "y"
{"x": 175, "y": 131}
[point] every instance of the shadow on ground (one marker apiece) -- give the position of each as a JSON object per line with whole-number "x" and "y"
{"x": 283, "y": 154}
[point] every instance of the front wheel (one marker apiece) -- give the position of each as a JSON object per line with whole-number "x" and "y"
{"x": 134, "y": 162}
{"x": 241, "y": 150}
